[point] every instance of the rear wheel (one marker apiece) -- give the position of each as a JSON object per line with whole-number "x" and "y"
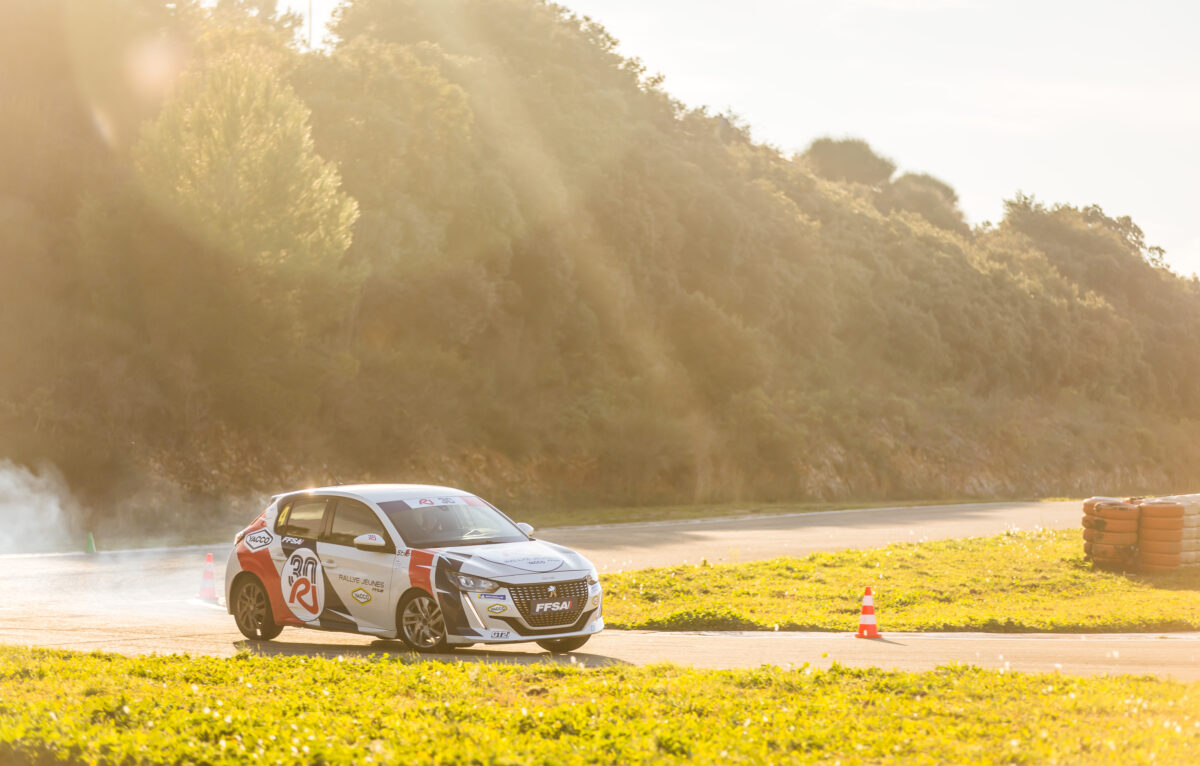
{"x": 563, "y": 645}
{"x": 421, "y": 624}
{"x": 252, "y": 611}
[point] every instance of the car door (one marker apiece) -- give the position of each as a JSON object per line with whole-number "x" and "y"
{"x": 302, "y": 579}
{"x": 359, "y": 579}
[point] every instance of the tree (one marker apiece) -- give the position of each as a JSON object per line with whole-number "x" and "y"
{"x": 926, "y": 196}
{"x": 231, "y": 160}
{"x": 847, "y": 159}
{"x": 221, "y": 276}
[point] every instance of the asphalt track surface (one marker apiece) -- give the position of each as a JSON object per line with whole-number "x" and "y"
{"x": 139, "y": 602}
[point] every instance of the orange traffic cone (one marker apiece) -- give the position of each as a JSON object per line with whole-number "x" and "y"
{"x": 207, "y": 591}
{"x": 866, "y": 623}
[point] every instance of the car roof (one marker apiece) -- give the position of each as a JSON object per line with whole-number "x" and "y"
{"x": 380, "y": 493}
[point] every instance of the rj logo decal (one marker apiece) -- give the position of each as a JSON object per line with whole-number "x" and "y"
{"x": 304, "y": 595}
{"x": 304, "y": 584}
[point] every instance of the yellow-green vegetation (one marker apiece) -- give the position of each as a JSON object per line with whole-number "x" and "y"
{"x": 1015, "y": 582}
{"x": 108, "y": 709}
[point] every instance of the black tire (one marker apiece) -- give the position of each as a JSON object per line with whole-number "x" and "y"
{"x": 563, "y": 645}
{"x": 419, "y": 623}
{"x": 252, "y": 610}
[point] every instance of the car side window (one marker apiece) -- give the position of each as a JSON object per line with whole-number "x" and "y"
{"x": 304, "y": 517}
{"x": 351, "y": 519}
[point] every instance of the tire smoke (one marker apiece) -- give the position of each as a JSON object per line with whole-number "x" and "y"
{"x": 35, "y": 509}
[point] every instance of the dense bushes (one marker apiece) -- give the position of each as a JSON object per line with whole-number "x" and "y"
{"x": 470, "y": 243}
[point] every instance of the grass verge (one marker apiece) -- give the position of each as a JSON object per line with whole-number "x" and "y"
{"x": 1015, "y": 582}
{"x": 98, "y": 708}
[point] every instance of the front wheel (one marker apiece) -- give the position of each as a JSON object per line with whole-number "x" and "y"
{"x": 421, "y": 623}
{"x": 252, "y": 611}
{"x": 563, "y": 645}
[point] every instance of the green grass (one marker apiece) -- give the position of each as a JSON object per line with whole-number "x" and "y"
{"x": 1015, "y": 582}
{"x": 97, "y": 708}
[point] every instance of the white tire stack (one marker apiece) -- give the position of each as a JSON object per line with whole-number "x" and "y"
{"x": 1190, "y": 552}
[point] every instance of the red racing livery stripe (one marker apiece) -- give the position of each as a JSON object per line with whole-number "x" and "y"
{"x": 420, "y": 570}
{"x": 259, "y": 563}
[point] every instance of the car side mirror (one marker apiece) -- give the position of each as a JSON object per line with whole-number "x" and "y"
{"x": 526, "y": 528}
{"x": 370, "y": 542}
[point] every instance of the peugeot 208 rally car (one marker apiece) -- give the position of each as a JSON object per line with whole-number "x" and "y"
{"x": 433, "y": 566}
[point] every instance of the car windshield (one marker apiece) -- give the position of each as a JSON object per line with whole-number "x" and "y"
{"x": 440, "y": 522}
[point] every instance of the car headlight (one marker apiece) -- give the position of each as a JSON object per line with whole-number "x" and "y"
{"x": 592, "y": 578}
{"x": 474, "y": 584}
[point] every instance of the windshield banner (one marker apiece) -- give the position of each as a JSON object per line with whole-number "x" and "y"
{"x": 418, "y": 502}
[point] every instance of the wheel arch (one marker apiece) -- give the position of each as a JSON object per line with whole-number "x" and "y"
{"x": 412, "y": 589}
{"x": 238, "y": 579}
{"x": 410, "y": 592}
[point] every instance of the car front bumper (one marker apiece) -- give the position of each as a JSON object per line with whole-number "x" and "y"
{"x": 496, "y": 618}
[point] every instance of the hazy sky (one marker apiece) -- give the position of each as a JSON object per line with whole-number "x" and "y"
{"x": 1078, "y": 102}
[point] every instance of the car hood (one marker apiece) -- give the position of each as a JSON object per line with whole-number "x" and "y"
{"x": 510, "y": 559}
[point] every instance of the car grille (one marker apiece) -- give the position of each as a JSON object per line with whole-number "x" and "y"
{"x": 524, "y": 596}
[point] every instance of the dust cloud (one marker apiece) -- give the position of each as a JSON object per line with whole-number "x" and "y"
{"x": 35, "y": 508}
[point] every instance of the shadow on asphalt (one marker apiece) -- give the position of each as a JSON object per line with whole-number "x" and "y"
{"x": 884, "y": 640}
{"x": 379, "y": 649}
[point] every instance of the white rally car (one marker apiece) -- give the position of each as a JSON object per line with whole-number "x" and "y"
{"x": 433, "y": 566}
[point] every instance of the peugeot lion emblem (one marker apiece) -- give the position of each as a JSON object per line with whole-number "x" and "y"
{"x": 553, "y": 590}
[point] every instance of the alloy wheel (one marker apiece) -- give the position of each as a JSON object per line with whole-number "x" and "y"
{"x": 251, "y": 608}
{"x": 422, "y": 622}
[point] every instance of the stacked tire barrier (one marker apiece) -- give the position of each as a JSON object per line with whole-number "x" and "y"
{"x": 1160, "y": 535}
{"x": 1189, "y": 529}
{"x": 1148, "y": 534}
{"x": 1110, "y": 532}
